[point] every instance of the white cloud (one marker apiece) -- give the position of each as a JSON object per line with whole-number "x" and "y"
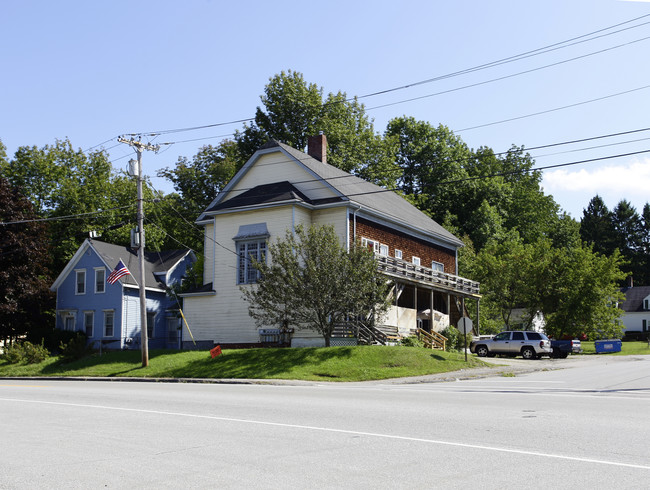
{"x": 573, "y": 189}
{"x": 632, "y": 178}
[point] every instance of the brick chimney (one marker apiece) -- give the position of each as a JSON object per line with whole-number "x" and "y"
{"x": 317, "y": 147}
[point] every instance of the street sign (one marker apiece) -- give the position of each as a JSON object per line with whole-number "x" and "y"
{"x": 465, "y": 325}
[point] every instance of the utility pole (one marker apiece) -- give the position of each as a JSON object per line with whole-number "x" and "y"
{"x": 144, "y": 337}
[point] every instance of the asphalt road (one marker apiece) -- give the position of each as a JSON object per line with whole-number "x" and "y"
{"x": 586, "y": 426}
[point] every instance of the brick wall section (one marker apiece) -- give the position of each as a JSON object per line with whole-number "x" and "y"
{"x": 409, "y": 246}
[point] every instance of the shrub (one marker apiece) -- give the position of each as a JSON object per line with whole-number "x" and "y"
{"x": 411, "y": 341}
{"x": 455, "y": 339}
{"x": 52, "y": 337}
{"x": 25, "y": 352}
{"x": 76, "y": 348}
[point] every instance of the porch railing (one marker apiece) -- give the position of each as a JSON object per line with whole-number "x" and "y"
{"x": 405, "y": 270}
{"x": 432, "y": 340}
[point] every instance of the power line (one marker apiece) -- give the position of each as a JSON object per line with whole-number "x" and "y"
{"x": 68, "y": 217}
{"x": 517, "y": 57}
{"x": 553, "y": 110}
{"x": 512, "y": 75}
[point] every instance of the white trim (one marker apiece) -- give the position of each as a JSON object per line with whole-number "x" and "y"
{"x": 203, "y": 293}
{"x": 214, "y": 252}
{"x": 416, "y": 260}
{"x": 437, "y": 266}
{"x": 69, "y": 267}
{"x": 147, "y": 288}
{"x": 398, "y": 254}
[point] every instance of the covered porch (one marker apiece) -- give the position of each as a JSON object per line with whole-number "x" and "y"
{"x": 426, "y": 299}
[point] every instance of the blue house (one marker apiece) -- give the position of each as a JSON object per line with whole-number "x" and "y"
{"x": 109, "y": 314}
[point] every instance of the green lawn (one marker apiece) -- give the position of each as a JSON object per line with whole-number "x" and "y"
{"x": 627, "y": 349}
{"x": 332, "y": 364}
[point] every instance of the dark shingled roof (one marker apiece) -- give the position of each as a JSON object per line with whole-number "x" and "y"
{"x": 634, "y": 298}
{"x": 263, "y": 194}
{"x": 154, "y": 262}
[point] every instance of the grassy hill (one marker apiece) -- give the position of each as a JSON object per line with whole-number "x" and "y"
{"x": 313, "y": 364}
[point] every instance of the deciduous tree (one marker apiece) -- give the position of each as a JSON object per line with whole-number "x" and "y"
{"x": 293, "y": 110}
{"x": 312, "y": 282}
{"x": 24, "y": 282}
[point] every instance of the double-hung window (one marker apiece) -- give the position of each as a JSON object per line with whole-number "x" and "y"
{"x": 415, "y": 260}
{"x": 100, "y": 280}
{"x": 80, "y": 281}
{"x": 109, "y": 318}
{"x": 438, "y": 266}
{"x": 89, "y": 321}
{"x": 251, "y": 247}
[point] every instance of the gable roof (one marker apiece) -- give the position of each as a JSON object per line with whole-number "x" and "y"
{"x": 349, "y": 188}
{"x": 157, "y": 264}
{"x": 634, "y": 298}
{"x": 263, "y": 194}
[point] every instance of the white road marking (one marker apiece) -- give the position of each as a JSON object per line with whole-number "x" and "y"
{"x": 337, "y": 431}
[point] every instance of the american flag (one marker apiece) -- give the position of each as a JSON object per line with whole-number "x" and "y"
{"x": 119, "y": 271}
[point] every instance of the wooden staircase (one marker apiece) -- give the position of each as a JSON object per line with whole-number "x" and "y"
{"x": 432, "y": 340}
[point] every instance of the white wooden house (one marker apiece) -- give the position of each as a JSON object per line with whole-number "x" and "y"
{"x": 636, "y": 311}
{"x": 280, "y": 188}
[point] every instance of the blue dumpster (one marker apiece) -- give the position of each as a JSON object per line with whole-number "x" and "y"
{"x": 607, "y": 346}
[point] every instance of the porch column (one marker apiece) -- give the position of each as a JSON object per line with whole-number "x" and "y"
{"x": 415, "y": 304}
{"x": 431, "y": 310}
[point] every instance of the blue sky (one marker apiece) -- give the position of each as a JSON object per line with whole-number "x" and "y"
{"x": 90, "y": 71}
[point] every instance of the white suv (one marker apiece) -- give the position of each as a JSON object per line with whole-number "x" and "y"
{"x": 529, "y": 345}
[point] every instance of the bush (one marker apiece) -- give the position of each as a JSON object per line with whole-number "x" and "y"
{"x": 455, "y": 339}
{"x": 25, "y": 352}
{"x": 636, "y": 335}
{"x": 76, "y": 348}
{"x": 411, "y": 341}
{"x": 52, "y": 337}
